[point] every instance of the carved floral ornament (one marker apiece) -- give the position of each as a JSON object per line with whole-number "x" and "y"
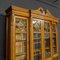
{"x": 44, "y": 12}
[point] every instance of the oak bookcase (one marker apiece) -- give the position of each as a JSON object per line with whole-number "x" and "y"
{"x": 31, "y": 34}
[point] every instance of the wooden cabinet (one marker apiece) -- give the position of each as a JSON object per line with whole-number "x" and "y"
{"x": 31, "y": 34}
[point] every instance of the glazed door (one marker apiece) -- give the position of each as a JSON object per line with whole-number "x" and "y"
{"x": 47, "y": 40}
{"x": 54, "y": 41}
{"x": 21, "y": 38}
{"x": 36, "y": 39}
{"x": 41, "y": 40}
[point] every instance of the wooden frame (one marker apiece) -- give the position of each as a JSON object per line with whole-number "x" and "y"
{"x": 44, "y": 15}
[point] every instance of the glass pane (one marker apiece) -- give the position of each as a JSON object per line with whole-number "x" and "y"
{"x": 37, "y": 52}
{"x": 21, "y": 25}
{"x": 37, "y": 46}
{"x": 54, "y": 50}
{"x": 37, "y": 40}
{"x": 47, "y": 43}
{"x": 20, "y": 48}
{"x": 47, "y": 35}
{"x": 53, "y": 27}
{"x": 54, "y": 43}
{"x": 36, "y": 35}
{"x": 22, "y": 57}
{"x": 20, "y": 37}
{"x": 46, "y": 26}
{"x": 38, "y": 57}
{"x": 37, "y": 49}
{"x": 47, "y": 53}
{"x": 54, "y": 35}
{"x": 36, "y": 25}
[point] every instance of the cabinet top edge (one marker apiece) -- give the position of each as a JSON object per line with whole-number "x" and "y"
{"x": 15, "y": 8}
{"x": 40, "y": 11}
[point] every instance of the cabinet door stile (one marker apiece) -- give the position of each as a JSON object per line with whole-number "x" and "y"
{"x": 31, "y": 40}
{"x": 51, "y": 39}
{"x": 57, "y": 39}
{"x": 43, "y": 48}
{"x": 12, "y": 46}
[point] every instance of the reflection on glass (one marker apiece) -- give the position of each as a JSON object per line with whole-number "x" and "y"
{"x": 21, "y": 25}
{"x": 36, "y": 25}
{"x": 36, "y": 35}
{"x": 46, "y": 26}
{"x": 47, "y": 53}
{"x": 53, "y": 27}
{"x": 21, "y": 36}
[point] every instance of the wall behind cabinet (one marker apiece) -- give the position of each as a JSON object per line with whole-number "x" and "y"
{"x": 2, "y": 37}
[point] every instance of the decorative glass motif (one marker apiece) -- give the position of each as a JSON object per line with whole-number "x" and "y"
{"x": 21, "y": 25}
{"x": 46, "y": 26}
{"x": 36, "y": 25}
{"x": 53, "y": 28}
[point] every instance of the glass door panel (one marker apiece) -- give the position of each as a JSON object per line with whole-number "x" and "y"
{"x": 37, "y": 39}
{"x": 21, "y": 38}
{"x": 36, "y": 26}
{"x": 47, "y": 39}
{"x": 54, "y": 38}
